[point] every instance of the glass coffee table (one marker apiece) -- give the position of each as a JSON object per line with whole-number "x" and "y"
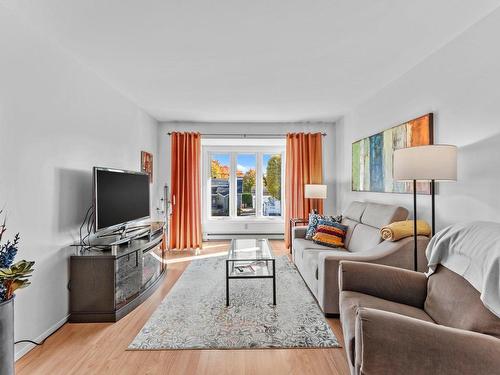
{"x": 250, "y": 259}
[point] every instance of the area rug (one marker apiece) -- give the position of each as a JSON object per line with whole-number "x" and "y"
{"x": 194, "y": 314}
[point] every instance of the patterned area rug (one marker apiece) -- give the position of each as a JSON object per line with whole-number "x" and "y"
{"x": 194, "y": 314}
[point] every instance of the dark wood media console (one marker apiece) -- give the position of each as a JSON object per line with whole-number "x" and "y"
{"x": 105, "y": 285}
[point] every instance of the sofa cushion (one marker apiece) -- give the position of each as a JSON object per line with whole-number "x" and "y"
{"x": 452, "y": 301}
{"x": 378, "y": 215}
{"x": 351, "y": 301}
{"x": 350, "y": 224}
{"x": 364, "y": 237}
{"x": 355, "y": 211}
{"x": 301, "y": 244}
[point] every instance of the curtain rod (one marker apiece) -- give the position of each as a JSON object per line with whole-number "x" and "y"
{"x": 241, "y": 135}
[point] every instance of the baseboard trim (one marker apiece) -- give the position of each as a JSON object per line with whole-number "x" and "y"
{"x": 28, "y": 346}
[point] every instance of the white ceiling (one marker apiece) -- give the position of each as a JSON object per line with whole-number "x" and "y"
{"x": 252, "y": 60}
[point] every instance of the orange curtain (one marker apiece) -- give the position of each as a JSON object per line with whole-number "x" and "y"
{"x": 304, "y": 165}
{"x": 185, "y": 225}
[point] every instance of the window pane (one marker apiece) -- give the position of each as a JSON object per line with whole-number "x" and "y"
{"x": 271, "y": 175}
{"x": 245, "y": 182}
{"x": 219, "y": 175}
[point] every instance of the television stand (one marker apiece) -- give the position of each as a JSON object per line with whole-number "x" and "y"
{"x": 106, "y": 285}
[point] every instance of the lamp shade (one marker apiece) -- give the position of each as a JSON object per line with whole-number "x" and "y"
{"x": 315, "y": 191}
{"x": 433, "y": 162}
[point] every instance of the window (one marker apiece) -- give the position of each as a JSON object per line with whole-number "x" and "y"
{"x": 271, "y": 182}
{"x": 243, "y": 183}
{"x": 219, "y": 184}
{"x": 246, "y": 172}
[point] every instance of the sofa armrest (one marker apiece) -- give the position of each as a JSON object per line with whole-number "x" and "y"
{"x": 390, "y": 283}
{"x": 411, "y": 346}
{"x": 299, "y": 232}
{"x": 396, "y": 254}
{"x": 384, "y": 249}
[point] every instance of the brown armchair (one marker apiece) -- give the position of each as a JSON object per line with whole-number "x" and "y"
{"x": 397, "y": 321}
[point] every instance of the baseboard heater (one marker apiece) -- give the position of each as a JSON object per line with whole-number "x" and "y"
{"x": 228, "y": 236}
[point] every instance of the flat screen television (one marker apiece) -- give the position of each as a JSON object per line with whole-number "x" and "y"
{"x": 120, "y": 197}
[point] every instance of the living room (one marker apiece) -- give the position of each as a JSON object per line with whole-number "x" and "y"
{"x": 249, "y": 188}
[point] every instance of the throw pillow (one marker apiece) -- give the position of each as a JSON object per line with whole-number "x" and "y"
{"x": 312, "y": 225}
{"x": 314, "y": 220}
{"x": 330, "y": 233}
{"x": 332, "y": 221}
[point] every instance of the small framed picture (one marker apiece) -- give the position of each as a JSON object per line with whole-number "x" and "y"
{"x": 147, "y": 164}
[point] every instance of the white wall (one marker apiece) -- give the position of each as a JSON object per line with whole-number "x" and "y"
{"x": 460, "y": 83}
{"x": 57, "y": 120}
{"x": 251, "y": 128}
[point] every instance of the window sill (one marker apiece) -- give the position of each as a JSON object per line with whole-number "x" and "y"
{"x": 248, "y": 219}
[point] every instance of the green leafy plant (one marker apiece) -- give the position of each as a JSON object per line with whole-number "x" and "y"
{"x": 13, "y": 276}
{"x": 16, "y": 277}
{"x": 249, "y": 181}
{"x": 247, "y": 199}
{"x": 272, "y": 180}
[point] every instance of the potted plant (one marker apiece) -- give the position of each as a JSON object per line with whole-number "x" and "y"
{"x": 12, "y": 277}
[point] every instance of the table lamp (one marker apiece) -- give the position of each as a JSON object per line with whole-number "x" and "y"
{"x": 315, "y": 191}
{"x": 425, "y": 163}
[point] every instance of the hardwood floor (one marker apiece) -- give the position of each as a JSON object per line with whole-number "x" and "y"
{"x": 100, "y": 348}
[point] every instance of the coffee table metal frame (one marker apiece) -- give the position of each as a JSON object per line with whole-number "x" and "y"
{"x": 270, "y": 259}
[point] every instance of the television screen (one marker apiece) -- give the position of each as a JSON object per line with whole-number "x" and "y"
{"x": 119, "y": 197}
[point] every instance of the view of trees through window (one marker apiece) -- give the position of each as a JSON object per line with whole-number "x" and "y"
{"x": 220, "y": 173}
{"x": 256, "y": 180}
{"x": 246, "y": 172}
{"x": 271, "y": 176}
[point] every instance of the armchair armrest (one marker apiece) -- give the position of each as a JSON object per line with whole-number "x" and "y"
{"x": 396, "y": 254}
{"x": 410, "y": 346}
{"x": 390, "y": 283}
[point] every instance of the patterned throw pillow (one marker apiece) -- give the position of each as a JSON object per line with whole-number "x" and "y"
{"x": 312, "y": 225}
{"x": 330, "y": 233}
{"x": 314, "y": 220}
{"x": 337, "y": 219}
{"x": 331, "y": 221}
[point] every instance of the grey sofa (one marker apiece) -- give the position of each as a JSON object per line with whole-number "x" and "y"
{"x": 319, "y": 264}
{"x": 398, "y": 321}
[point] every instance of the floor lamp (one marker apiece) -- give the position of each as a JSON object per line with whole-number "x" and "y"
{"x": 425, "y": 163}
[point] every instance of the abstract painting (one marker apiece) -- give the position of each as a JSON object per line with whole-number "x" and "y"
{"x": 147, "y": 164}
{"x": 372, "y": 157}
